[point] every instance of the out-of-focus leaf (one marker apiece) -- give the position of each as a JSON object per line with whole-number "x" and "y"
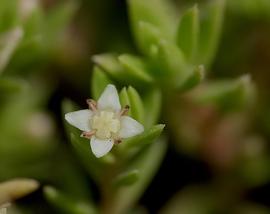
{"x": 210, "y": 30}
{"x": 251, "y": 208}
{"x": 8, "y": 15}
{"x": 57, "y": 19}
{"x": 67, "y": 204}
{"x": 193, "y": 200}
{"x": 148, "y": 163}
{"x": 127, "y": 178}
{"x": 194, "y": 79}
{"x": 173, "y": 62}
{"x": 226, "y": 94}
{"x": 188, "y": 33}
{"x": 150, "y": 36}
{"x": 136, "y": 105}
{"x": 16, "y": 188}
{"x": 158, "y": 13}
{"x": 8, "y": 43}
{"x": 10, "y": 86}
{"x": 99, "y": 82}
{"x": 152, "y": 104}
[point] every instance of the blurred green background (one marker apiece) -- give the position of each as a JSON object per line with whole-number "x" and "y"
{"x": 218, "y": 130}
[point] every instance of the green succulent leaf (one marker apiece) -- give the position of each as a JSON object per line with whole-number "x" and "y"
{"x": 8, "y": 16}
{"x": 148, "y": 162}
{"x": 188, "y": 33}
{"x": 10, "y": 86}
{"x": 149, "y": 37}
{"x": 127, "y": 178}
{"x": 124, "y": 97}
{"x": 13, "y": 189}
{"x": 227, "y": 94}
{"x": 173, "y": 62}
{"x": 211, "y": 26}
{"x": 8, "y": 44}
{"x": 197, "y": 76}
{"x": 135, "y": 68}
{"x": 125, "y": 69}
{"x": 152, "y": 101}
{"x": 158, "y": 13}
{"x": 57, "y": 19}
{"x": 67, "y": 204}
{"x": 143, "y": 139}
{"x": 136, "y": 105}
{"x": 99, "y": 82}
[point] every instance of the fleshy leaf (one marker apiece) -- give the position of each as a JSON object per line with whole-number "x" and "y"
{"x": 158, "y": 13}
{"x": 99, "y": 82}
{"x": 125, "y": 69}
{"x": 188, "y": 33}
{"x": 136, "y": 105}
{"x": 144, "y": 139}
{"x": 173, "y": 63}
{"x": 8, "y": 43}
{"x": 16, "y": 188}
{"x": 67, "y": 204}
{"x": 211, "y": 25}
{"x": 127, "y": 178}
{"x": 226, "y": 94}
{"x": 58, "y": 18}
{"x": 152, "y": 104}
{"x": 196, "y": 77}
{"x": 136, "y": 68}
{"x": 124, "y": 98}
{"x": 148, "y": 163}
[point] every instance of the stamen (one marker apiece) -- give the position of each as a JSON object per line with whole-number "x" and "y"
{"x": 125, "y": 110}
{"x": 117, "y": 141}
{"x": 92, "y": 104}
{"x": 89, "y": 134}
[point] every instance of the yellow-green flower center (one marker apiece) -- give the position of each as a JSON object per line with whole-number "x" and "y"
{"x": 106, "y": 124}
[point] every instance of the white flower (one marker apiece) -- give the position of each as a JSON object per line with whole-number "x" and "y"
{"x": 105, "y": 123}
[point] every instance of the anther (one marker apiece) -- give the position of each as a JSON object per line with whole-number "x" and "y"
{"x": 92, "y": 104}
{"x": 117, "y": 141}
{"x": 88, "y": 135}
{"x": 125, "y": 110}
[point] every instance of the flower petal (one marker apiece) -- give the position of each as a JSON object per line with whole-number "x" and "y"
{"x": 109, "y": 99}
{"x": 129, "y": 127}
{"x": 100, "y": 147}
{"x": 80, "y": 119}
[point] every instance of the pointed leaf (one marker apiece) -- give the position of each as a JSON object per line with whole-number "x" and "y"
{"x": 188, "y": 33}
{"x": 136, "y": 105}
{"x": 136, "y": 68}
{"x": 227, "y": 95}
{"x": 159, "y": 13}
{"x": 148, "y": 163}
{"x": 127, "y": 178}
{"x": 13, "y": 189}
{"x": 211, "y": 25}
{"x": 144, "y": 139}
{"x": 67, "y": 204}
{"x": 124, "y": 98}
{"x": 196, "y": 77}
{"x": 99, "y": 82}
{"x": 152, "y": 105}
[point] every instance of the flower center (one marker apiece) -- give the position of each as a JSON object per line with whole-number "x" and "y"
{"x": 106, "y": 124}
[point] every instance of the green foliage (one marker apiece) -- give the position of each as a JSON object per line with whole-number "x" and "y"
{"x": 64, "y": 203}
